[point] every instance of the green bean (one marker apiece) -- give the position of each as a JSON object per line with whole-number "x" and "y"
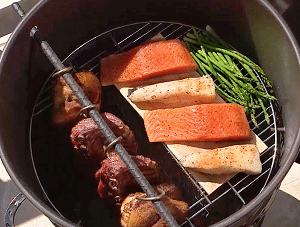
{"x": 199, "y": 63}
{"x": 233, "y": 54}
{"x": 252, "y": 90}
{"x": 229, "y": 60}
{"x": 201, "y": 73}
{"x": 190, "y": 35}
{"x": 214, "y": 39}
{"x": 190, "y": 40}
{"x": 264, "y": 110}
{"x": 225, "y": 84}
{"x": 223, "y": 59}
{"x": 252, "y": 116}
{"x": 249, "y": 70}
{"x": 212, "y": 57}
{"x": 238, "y": 90}
{"x": 246, "y": 86}
{"x": 223, "y": 81}
{"x": 204, "y": 51}
{"x": 208, "y": 61}
{"x": 217, "y": 63}
{"x": 228, "y": 97}
{"x": 216, "y": 57}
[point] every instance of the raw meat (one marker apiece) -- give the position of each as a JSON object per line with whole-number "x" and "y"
{"x": 146, "y": 61}
{"x": 204, "y": 122}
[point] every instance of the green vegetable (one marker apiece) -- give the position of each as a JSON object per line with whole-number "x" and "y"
{"x": 235, "y": 73}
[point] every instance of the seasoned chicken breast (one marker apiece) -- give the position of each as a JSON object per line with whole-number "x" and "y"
{"x": 225, "y": 160}
{"x": 173, "y": 94}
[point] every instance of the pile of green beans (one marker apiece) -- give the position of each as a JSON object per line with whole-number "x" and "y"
{"x": 216, "y": 58}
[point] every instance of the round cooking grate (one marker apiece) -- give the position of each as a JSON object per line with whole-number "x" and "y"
{"x": 54, "y": 159}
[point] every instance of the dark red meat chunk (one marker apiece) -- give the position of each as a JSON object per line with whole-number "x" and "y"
{"x": 88, "y": 142}
{"x": 116, "y": 181}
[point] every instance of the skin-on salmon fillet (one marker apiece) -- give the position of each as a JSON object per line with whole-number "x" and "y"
{"x": 204, "y": 122}
{"x": 147, "y": 61}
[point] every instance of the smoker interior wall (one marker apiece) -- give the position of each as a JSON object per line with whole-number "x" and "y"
{"x": 67, "y": 24}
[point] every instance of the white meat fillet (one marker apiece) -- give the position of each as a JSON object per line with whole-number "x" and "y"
{"x": 173, "y": 94}
{"x": 225, "y": 160}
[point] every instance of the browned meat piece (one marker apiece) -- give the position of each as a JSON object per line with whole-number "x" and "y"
{"x": 66, "y": 105}
{"x": 136, "y": 212}
{"x": 87, "y": 137}
{"x": 116, "y": 181}
{"x": 88, "y": 142}
{"x": 170, "y": 190}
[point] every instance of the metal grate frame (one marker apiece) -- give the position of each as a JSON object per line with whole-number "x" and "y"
{"x": 124, "y": 38}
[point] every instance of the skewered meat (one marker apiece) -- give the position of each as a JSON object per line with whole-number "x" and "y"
{"x": 88, "y": 142}
{"x": 136, "y": 212}
{"x": 66, "y": 105}
{"x": 115, "y": 179}
{"x": 87, "y": 137}
{"x": 170, "y": 190}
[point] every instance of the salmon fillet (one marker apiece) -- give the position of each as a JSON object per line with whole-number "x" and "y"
{"x": 147, "y": 61}
{"x": 204, "y": 122}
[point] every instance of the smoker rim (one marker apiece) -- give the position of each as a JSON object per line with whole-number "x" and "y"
{"x": 258, "y": 200}
{"x": 53, "y": 216}
{"x": 287, "y": 163}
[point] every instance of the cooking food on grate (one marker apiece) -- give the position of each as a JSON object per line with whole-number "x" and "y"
{"x": 225, "y": 160}
{"x": 226, "y": 64}
{"x": 179, "y": 129}
{"x": 87, "y": 138}
{"x": 115, "y": 181}
{"x": 204, "y": 122}
{"x": 147, "y": 61}
{"x": 89, "y": 142}
{"x": 172, "y": 94}
{"x": 66, "y": 105}
{"x": 169, "y": 189}
{"x": 160, "y": 79}
{"x": 136, "y": 212}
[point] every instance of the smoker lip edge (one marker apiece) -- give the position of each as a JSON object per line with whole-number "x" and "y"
{"x": 271, "y": 187}
{"x": 286, "y": 165}
{"x": 53, "y": 216}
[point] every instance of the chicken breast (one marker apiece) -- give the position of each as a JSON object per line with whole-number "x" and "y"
{"x": 172, "y": 94}
{"x": 225, "y": 160}
{"x": 135, "y": 212}
{"x": 66, "y": 106}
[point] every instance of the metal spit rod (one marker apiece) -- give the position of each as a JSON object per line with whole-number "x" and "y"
{"x": 94, "y": 114}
